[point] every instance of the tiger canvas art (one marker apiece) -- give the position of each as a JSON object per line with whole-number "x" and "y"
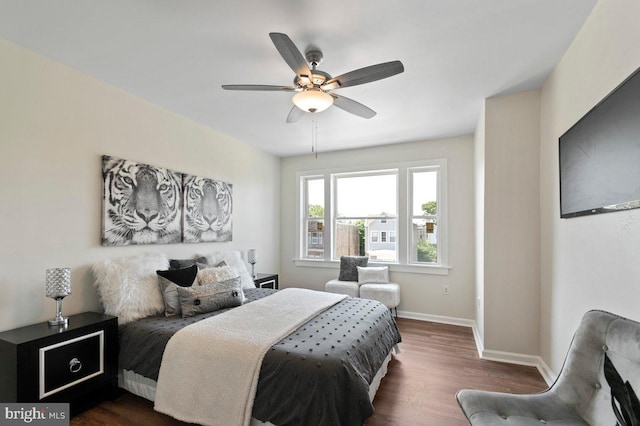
{"x": 207, "y": 210}
{"x": 142, "y": 204}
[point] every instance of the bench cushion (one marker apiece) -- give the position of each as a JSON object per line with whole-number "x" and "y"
{"x": 350, "y": 288}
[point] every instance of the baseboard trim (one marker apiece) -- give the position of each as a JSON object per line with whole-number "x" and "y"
{"x": 547, "y": 374}
{"x": 509, "y": 357}
{"x": 437, "y": 318}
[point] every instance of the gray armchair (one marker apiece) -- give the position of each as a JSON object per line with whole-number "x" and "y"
{"x": 598, "y": 385}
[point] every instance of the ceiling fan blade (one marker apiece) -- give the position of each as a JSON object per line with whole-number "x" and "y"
{"x": 260, "y": 87}
{"x": 295, "y": 114}
{"x": 290, "y": 54}
{"x": 352, "y": 106}
{"x": 365, "y": 75}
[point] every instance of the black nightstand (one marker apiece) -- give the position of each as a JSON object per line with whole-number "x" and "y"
{"x": 266, "y": 281}
{"x": 77, "y": 364}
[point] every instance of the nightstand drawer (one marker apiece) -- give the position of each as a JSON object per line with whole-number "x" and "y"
{"x": 70, "y": 362}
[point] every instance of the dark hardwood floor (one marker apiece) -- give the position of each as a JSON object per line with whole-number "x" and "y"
{"x": 436, "y": 361}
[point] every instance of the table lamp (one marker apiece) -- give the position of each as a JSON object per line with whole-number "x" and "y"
{"x": 58, "y": 287}
{"x": 252, "y": 258}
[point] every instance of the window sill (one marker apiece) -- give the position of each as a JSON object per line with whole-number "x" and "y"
{"x": 393, "y": 267}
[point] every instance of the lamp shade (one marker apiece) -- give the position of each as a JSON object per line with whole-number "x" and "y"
{"x": 312, "y": 100}
{"x": 252, "y": 256}
{"x": 58, "y": 282}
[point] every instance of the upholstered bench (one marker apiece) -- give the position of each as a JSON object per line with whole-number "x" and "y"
{"x": 347, "y": 282}
{"x": 387, "y": 293}
{"x": 350, "y": 288}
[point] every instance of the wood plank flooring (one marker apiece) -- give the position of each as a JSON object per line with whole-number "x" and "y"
{"x": 419, "y": 389}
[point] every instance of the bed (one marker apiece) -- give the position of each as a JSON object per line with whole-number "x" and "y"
{"x": 325, "y": 372}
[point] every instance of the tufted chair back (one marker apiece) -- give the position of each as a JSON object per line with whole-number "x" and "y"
{"x": 599, "y": 383}
{"x": 588, "y": 383}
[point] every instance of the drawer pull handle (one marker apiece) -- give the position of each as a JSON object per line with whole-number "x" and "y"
{"x": 75, "y": 365}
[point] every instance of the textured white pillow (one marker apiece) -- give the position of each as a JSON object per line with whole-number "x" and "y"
{"x": 373, "y": 275}
{"x": 216, "y": 274}
{"x": 128, "y": 286}
{"x": 232, "y": 258}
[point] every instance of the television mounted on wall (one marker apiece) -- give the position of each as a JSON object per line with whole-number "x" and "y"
{"x": 600, "y": 155}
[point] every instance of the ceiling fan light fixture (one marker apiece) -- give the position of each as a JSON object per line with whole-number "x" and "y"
{"x": 312, "y": 100}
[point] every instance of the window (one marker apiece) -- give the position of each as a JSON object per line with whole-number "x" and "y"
{"x": 425, "y": 215}
{"x": 314, "y": 217}
{"x": 394, "y": 215}
{"x": 362, "y": 200}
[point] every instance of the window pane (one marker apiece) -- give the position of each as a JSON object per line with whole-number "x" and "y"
{"x": 424, "y": 241}
{"x": 315, "y": 197}
{"x": 349, "y": 238}
{"x": 314, "y": 243}
{"x": 380, "y": 247}
{"x": 365, "y": 196}
{"x": 425, "y": 193}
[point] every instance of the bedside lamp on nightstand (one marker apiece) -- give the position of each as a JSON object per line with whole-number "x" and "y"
{"x": 252, "y": 258}
{"x": 58, "y": 287}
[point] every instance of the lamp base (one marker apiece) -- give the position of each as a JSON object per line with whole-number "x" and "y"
{"x": 56, "y": 322}
{"x": 59, "y": 320}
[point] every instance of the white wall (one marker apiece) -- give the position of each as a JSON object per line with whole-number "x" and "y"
{"x": 593, "y": 261}
{"x": 511, "y": 223}
{"x": 55, "y": 123}
{"x": 421, "y": 294}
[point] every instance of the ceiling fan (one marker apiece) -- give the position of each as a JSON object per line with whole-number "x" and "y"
{"x": 312, "y": 86}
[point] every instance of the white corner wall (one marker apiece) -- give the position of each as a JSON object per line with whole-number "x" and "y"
{"x": 421, "y": 294}
{"x": 511, "y": 225}
{"x": 478, "y": 166}
{"x": 55, "y": 123}
{"x": 589, "y": 262}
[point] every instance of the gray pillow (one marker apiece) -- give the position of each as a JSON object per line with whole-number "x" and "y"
{"x": 169, "y": 282}
{"x": 349, "y": 267}
{"x": 210, "y": 297}
{"x": 185, "y": 263}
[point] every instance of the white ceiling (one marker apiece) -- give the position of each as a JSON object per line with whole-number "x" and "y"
{"x": 177, "y": 53}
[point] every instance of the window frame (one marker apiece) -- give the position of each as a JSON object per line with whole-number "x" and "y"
{"x": 404, "y": 215}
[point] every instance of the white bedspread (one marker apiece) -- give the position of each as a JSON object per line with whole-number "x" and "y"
{"x": 209, "y": 371}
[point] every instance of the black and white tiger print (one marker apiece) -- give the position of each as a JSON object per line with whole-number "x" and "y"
{"x": 207, "y": 210}
{"x": 141, "y": 203}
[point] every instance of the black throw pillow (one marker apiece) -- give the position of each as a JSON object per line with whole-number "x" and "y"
{"x": 183, "y": 277}
{"x": 349, "y": 267}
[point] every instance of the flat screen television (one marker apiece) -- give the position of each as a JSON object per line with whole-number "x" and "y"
{"x": 600, "y": 155}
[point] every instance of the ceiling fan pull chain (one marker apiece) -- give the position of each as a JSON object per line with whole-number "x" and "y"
{"x": 314, "y": 138}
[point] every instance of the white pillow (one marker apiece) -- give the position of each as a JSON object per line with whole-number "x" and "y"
{"x": 373, "y": 275}
{"x": 232, "y": 258}
{"x": 128, "y": 286}
{"x": 216, "y": 274}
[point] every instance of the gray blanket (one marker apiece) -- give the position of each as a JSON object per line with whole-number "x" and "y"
{"x": 318, "y": 375}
